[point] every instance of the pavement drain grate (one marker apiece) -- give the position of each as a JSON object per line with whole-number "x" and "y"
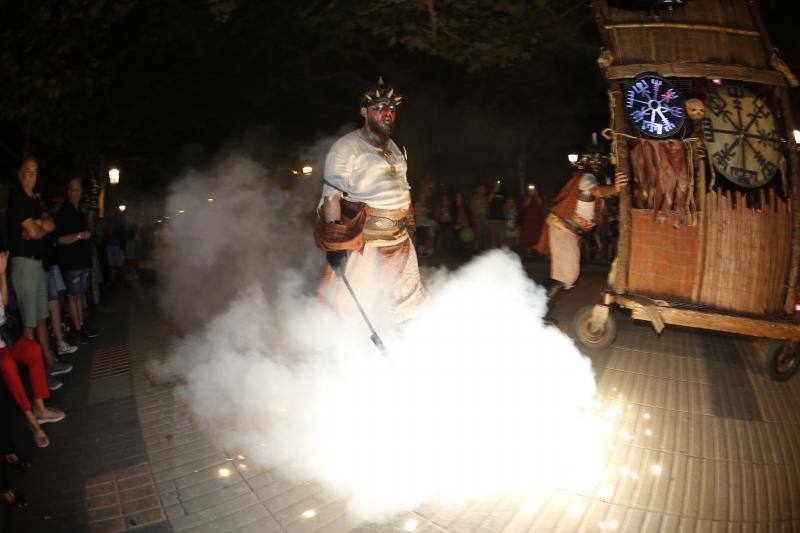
{"x": 110, "y": 361}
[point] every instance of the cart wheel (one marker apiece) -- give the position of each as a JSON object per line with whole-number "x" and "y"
{"x": 783, "y": 360}
{"x": 594, "y": 335}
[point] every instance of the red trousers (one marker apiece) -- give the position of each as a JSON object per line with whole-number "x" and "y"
{"x": 29, "y": 353}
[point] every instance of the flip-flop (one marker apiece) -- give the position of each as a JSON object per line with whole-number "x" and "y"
{"x": 41, "y": 440}
{"x": 14, "y": 500}
{"x": 22, "y": 464}
{"x": 56, "y": 416}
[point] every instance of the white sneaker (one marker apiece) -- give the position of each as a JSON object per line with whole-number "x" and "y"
{"x": 66, "y": 349}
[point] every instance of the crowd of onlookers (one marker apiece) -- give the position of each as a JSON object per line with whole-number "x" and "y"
{"x": 53, "y": 263}
{"x": 450, "y": 223}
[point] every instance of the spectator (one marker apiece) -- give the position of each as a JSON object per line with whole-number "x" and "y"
{"x": 28, "y": 353}
{"x": 444, "y": 224}
{"x": 510, "y": 214}
{"x": 112, "y": 232}
{"x": 532, "y": 221}
{"x": 479, "y": 208}
{"x": 8, "y": 454}
{"x": 28, "y": 224}
{"x": 460, "y": 222}
{"x": 55, "y": 287}
{"x": 424, "y": 223}
{"x": 75, "y": 256}
{"x": 496, "y": 217}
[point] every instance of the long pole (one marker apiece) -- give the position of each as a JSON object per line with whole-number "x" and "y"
{"x": 376, "y": 340}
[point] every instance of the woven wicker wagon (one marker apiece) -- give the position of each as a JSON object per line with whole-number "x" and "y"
{"x": 735, "y": 270}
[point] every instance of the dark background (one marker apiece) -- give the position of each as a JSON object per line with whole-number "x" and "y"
{"x": 502, "y": 88}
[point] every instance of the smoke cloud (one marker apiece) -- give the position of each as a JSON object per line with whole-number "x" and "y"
{"x": 476, "y": 395}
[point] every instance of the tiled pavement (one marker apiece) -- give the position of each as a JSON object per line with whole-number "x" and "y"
{"x": 703, "y": 441}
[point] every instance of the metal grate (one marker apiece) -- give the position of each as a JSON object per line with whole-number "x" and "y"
{"x": 110, "y": 361}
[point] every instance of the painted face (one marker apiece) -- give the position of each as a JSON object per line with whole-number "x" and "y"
{"x": 74, "y": 191}
{"x": 28, "y": 173}
{"x": 380, "y": 118}
{"x": 595, "y": 163}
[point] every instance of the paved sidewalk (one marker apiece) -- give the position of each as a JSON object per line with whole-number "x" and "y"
{"x": 713, "y": 443}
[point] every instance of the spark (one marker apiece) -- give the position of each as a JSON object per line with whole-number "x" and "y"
{"x": 624, "y": 435}
{"x": 311, "y": 513}
{"x": 224, "y": 472}
{"x": 411, "y": 525}
{"x": 606, "y": 492}
{"x": 655, "y": 470}
{"x": 576, "y": 509}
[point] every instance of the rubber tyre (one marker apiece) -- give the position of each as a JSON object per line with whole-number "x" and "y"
{"x": 783, "y": 360}
{"x": 599, "y": 339}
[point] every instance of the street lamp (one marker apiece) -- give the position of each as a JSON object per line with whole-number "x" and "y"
{"x": 122, "y": 208}
{"x": 307, "y": 170}
{"x": 796, "y": 136}
{"x": 113, "y": 176}
{"x": 573, "y": 158}
{"x": 210, "y": 200}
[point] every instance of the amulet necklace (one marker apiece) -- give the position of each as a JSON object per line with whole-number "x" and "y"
{"x": 385, "y": 152}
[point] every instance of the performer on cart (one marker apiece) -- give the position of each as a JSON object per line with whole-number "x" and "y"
{"x": 575, "y": 212}
{"x": 364, "y": 217}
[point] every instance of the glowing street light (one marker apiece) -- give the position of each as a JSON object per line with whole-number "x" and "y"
{"x": 122, "y": 208}
{"x": 210, "y": 200}
{"x": 113, "y": 176}
{"x": 573, "y": 158}
{"x": 307, "y": 170}
{"x": 796, "y": 136}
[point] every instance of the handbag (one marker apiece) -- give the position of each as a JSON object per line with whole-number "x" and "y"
{"x": 10, "y": 330}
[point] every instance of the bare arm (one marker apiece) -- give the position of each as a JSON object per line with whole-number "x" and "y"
{"x": 604, "y": 191}
{"x": 36, "y": 228}
{"x": 73, "y": 237}
{"x": 332, "y": 208}
{"x": 3, "y": 283}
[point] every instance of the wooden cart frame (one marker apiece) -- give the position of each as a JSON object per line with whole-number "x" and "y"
{"x": 706, "y": 48}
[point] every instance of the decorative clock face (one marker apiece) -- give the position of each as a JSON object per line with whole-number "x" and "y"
{"x": 654, "y": 106}
{"x": 742, "y": 139}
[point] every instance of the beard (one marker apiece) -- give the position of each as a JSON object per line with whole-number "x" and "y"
{"x": 379, "y": 128}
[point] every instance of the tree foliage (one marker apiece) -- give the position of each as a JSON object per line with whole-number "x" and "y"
{"x": 51, "y": 55}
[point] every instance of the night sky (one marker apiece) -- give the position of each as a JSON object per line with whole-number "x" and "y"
{"x": 155, "y": 86}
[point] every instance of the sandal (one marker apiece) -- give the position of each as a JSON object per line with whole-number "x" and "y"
{"x": 50, "y": 415}
{"x": 41, "y": 440}
{"x": 22, "y": 464}
{"x": 15, "y": 500}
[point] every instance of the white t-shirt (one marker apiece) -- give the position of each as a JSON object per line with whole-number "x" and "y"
{"x": 583, "y": 208}
{"x": 356, "y": 166}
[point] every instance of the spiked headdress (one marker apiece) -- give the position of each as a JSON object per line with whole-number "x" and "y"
{"x": 591, "y": 150}
{"x": 380, "y": 93}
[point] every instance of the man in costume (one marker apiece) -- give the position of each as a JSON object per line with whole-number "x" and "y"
{"x": 364, "y": 217}
{"x": 575, "y": 212}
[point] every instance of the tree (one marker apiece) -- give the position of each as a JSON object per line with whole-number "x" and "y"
{"x": 51, "y": 53}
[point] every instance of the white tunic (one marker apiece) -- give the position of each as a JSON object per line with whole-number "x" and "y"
{"x": 356, "y": 166}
